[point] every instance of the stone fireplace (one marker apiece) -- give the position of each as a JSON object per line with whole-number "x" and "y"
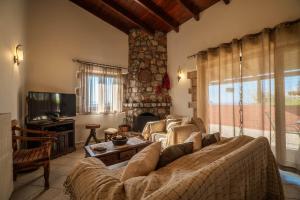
{"x": 143, "y": 91}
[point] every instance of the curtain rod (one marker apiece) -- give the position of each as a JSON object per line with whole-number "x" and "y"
{"x": 284, "y": 23}
{"x": 98, "y": 64}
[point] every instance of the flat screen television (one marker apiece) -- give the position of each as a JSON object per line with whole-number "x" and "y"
{"x": 45, "y": 105}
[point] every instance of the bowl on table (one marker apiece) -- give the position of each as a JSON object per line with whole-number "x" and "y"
{"x": 119, "y": 140}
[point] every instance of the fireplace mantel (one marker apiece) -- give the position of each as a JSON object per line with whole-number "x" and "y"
{"x": 146, "y": 105}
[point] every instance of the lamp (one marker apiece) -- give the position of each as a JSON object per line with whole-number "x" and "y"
{"x": 179, "y": 73}
{"x": 19, "y": 54}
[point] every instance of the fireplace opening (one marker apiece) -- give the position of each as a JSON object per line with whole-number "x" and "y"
{"x": 140, "y": 121}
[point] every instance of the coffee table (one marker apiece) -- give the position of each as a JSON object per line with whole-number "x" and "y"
{"x": 116, "y": 154}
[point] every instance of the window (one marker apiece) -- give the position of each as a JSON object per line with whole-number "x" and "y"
{"x": 101, "y": 90}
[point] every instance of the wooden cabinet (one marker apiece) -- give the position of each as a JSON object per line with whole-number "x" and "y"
{"x": 65, "y": 130}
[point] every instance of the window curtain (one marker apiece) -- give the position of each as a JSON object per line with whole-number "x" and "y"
{"x": 218, "y": 72}
{"x": 101, "y": 89}
{"x": 251, "y": 87}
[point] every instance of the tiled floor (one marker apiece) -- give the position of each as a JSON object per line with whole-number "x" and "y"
{"x": 30, "y": 186}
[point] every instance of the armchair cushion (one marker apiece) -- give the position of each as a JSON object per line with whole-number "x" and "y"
{"x": 157, "y": 126}
{"x": 152, "y": 127}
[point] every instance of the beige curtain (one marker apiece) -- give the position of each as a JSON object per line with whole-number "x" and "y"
{"x": 287, "y": 93}
{"x": 101, "y": 89}
{"x": 251, "y": 86}
{"x": 218, "y": 72}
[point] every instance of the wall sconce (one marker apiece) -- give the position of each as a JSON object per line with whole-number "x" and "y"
{"x": 179, "y": 73}
{"x": 19, "y": 54}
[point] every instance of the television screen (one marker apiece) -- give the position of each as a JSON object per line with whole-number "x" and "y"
{"x": 41, "y": 105}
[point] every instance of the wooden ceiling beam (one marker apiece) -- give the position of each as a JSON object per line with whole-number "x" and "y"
{"x": 157, "y": 11}
{"x": 191, "y": 8}
{"x": 128, "y": 15}
{"x": 226, "y": 1}
{"x": 92, "y": 9}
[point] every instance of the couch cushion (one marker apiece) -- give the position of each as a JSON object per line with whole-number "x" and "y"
{"x": 208, "y": 139}
{"x": 174, "y": 152}
{"x": 142, "y": 163}
{"x": 196, "y": 138}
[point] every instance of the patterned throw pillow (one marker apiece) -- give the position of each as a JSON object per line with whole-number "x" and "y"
{"x": 208, "y": 139}
{"x": 196, "y": 139}
{"x": 174, "y": 152}
{"x": 142, "y": 163}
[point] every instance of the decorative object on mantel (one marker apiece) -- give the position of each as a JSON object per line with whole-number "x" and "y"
{"x": 166, "y": 82}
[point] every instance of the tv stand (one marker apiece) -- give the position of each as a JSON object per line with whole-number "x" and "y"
{"x": 65, "y": 130}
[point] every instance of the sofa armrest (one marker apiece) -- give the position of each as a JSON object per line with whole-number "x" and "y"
{"x": 178, "y": 134}
{"x": 153, "y": 127}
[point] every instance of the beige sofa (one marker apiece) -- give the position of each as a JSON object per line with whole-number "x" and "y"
{"x": 235, "y": 168}
{"x": 172, "y": 130}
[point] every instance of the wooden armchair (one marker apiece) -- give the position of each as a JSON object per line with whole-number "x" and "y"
{"x": 24, "y": 159}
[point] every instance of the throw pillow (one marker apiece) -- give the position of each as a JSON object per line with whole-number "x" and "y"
{"x": 142, "y": 163}
{"x": 158, "y": 126}
{"x": 208, "y": 139}
{"x": 174, "y": 152}
{"x": 196, "y": 139}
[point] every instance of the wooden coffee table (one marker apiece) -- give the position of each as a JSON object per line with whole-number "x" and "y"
{"x": 116, "y": 154}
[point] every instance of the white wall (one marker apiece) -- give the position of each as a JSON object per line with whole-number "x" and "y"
{"x": 12, "y": 31}
{"x": 59, "y": 31}
{"x": 218, "y": 24}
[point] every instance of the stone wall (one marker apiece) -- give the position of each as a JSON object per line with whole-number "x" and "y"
{"x": 146, "y": 69}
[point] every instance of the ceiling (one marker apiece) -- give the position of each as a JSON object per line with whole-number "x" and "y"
{"x": 149, "y": 15}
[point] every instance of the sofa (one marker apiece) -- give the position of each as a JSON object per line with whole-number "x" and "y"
{"x": 172, "y": 130}
{"x": 236, "y": 168}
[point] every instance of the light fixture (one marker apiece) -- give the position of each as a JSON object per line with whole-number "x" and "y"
{"x": 179, "y": 73}
{"x": 19, "y": 54}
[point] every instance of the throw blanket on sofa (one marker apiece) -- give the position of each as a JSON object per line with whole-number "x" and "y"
{"x": 236, "y": 168}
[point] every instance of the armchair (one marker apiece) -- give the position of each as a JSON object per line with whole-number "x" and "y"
{"x": 24, "y": 159}
{"x": 170, "y": 134}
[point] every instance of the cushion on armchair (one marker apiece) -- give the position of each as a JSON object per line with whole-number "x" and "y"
{"x": 157, "y": 126}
